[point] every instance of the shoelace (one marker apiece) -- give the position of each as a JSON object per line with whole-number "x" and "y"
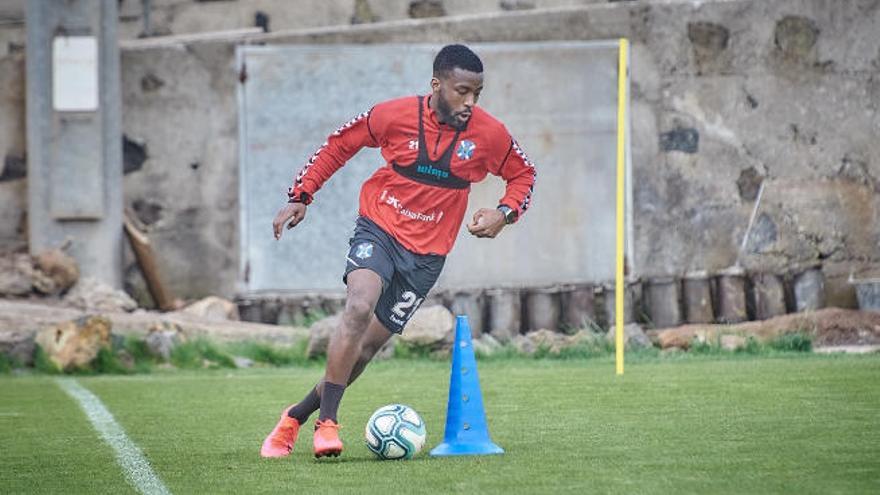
{"x": 327, "y": 424}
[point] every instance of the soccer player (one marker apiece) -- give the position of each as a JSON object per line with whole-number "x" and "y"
{"x": 410, "y": 212}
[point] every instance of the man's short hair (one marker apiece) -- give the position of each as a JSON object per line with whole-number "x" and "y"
{"x": 452, "y": 56}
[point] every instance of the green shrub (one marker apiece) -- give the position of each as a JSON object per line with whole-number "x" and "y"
{"x": 410, "y": 351}
{"x": 752, "y": 346}
{"x": 506, "y": 351}
{"x": 200, "y": 353}
{"x": 312, "y": 316}
{"x": 107, "y": 362}
{"x": 42, "y": 363}
{"x": 6, "y": 364}
{"x": 137, "y": 348}
{"x": 793, "y": 342}
{"x": 704, "y": 347}
{"x": 259, "y": 352}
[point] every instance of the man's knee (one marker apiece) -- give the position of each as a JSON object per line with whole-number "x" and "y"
{"x": 364, "y": 287}
{"x": 358, "y": 312}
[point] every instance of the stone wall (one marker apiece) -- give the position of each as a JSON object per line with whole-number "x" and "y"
{"x": 727, "y": 95}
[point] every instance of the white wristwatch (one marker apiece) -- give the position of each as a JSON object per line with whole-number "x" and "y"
{"x": 509, "y": 214}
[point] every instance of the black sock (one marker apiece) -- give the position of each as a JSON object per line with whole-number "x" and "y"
{"x": 302, "y": 410}
{"x": 330, "y": 400}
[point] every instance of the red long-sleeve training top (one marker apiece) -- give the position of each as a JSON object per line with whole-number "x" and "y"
{"x": 420, "y": 195}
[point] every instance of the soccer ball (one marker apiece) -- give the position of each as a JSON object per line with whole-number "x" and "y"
{"x": 395, "y": 431}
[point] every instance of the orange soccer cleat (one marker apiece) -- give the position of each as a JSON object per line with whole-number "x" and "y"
{"x": 327, "y": 442}
{"x": 280, "y": 442}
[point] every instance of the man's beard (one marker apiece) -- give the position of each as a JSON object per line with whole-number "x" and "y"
{"x": 445, "y": 112}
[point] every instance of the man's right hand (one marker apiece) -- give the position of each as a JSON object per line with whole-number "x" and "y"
{"x": 291, "y": 214}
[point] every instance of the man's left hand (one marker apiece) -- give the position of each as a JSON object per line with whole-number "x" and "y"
{"x": 487, "y": 222}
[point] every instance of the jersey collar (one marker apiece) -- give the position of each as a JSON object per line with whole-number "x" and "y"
{"x": 432, "y": 115}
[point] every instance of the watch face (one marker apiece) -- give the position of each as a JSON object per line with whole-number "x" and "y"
{"x": 509, "y": 213}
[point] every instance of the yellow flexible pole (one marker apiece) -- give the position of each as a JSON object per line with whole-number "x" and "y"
{"x": 621, "y": 169}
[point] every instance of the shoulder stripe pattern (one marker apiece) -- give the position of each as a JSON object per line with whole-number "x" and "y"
{"x": 305, "y": 169}
{"x": 522, "y": 154}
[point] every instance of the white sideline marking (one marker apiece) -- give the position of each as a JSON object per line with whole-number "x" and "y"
{"x": 130, "y": 458}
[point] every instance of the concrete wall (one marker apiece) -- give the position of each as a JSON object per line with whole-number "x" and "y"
{"x": 74, "y": 152}
{"x": 181, "y": 119}
{"x": 190, "y": 16}
{"x": 13, "y": 188}
{"x": 726, "y": 94}
{"x": 294, "y": 93}
{"x": 181, "y": 17}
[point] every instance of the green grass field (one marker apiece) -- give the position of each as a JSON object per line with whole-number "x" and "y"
{"x": 693, "y": 424}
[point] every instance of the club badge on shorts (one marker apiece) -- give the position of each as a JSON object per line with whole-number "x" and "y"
{"x": 364, "y": 250}
{"x": 465, "y": 150}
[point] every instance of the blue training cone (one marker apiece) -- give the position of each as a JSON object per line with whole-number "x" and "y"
{"x": 466, "y": 429}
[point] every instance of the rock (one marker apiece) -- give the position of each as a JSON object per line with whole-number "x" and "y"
{"x": 162, "y": 338}
{"x": 43, "y": 283}
{"x": 545, "y": 339}
{"x": 126, "y": 360}
{"x": 16, "y": 275}
{"x": 74, "y": 344}
{"x": 486, "y": 345}
{"x": 319, "y": 335}
{"x": 523, "y": 345}
{"x": 242, "y": 362}
{"x": 18, "y": 345}
{"x": 828, "y": 327}
{"x": 548, "y": 339}
{"x": 583, "y": 336}
{"x": 681, "y": 337}
{"x": 553, "y": 342}
{"x": 93, "y": 295}
{"x": 431, "y": 327}
{"x": 633, "y": 335}
{"x": 213, "y": 308}
{"x": 60, "y": 269}
{"x": 733, "y": 342}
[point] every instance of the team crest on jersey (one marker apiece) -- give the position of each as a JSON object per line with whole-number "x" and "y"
{"x": 364, "y": 251}
{"x": 465, "y": 150}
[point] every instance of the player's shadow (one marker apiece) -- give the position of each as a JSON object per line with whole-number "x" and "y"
{"x": 365, "y": 460}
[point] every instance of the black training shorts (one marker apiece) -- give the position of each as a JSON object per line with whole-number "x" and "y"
{"x": 406, "y": 277}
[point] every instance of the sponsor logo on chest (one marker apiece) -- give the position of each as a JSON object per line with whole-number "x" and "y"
{"x": 430, "y": 170}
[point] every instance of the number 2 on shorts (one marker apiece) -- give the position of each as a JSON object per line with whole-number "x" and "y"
{"x": 408, "y": 301}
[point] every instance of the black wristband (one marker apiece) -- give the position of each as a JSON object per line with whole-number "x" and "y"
{"x": 303, "y": 198}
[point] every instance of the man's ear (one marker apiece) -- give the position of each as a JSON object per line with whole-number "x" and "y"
{"x": 435, "y": 84}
